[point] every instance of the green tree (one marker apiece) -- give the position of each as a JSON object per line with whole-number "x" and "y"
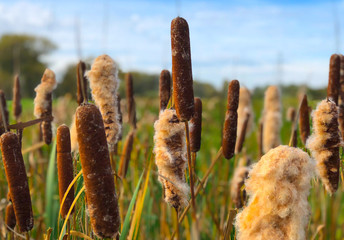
{"x": 23, "y": 54}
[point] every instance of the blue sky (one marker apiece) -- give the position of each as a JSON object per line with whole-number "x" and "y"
{"x": 257, "y": 42}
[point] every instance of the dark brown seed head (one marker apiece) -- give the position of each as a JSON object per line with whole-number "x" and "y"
{"x": 183, "y": 95}
{"x": 164, "y": 89}
{"x": 130, "y": 99}
{"x": 334, "y": 78}
{"x": 64, "y": 167}
{"x": 304, "y": 120}
{"x": 46, "y": 124}
{"x": 17, "y": 180}
{"x": 231, "y": 120}
{"x": 126, "y": 156}
{"x": 196, "y": 126}
{"x": 81, "y": 82}
{"x": 10, "y": 217}
{"x": 4, "y": 107}
{"x": 95, "y": 161}
{"x": 17, "y": 107}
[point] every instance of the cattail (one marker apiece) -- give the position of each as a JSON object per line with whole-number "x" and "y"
{"x": 43, "y": 103}
{"x": 10, "y": 217}
{"x": 104, "y": 83}
{"x": 278, "y": 187}
{"x": 196, "y": 126}
{"x": 120, "y": 117}
{"x": 81, "y": 83}
{"x": 304, "y": 120}
{"x": 230, "y": 125}
{"x": 170, "y": 157}
{"x": 242, "y": 133}
{"x": 341, "y": 96}
{"x": 291, "y": 114}
{"x": 245, "y": 105}
{"x": 324, "y": 143}
{"x": 4, "y": 107}
{"x": 334, "y": 78}
{"x": 130, "y": 99}
{"x": 126, "y": 156}
{"x": 164, "y": 89}
{"x": 17, "y": 180}
{"x": 73, "y": 136}
{"x": 237, "y": 194}
{"x": 183, "y": 95}
{"x": 96, "y": 168}
{"x": 17, "y": 107}
{"x": 61, "y": 112}
{"x": 272, "y": 118}
{"x": 64, "y": 167}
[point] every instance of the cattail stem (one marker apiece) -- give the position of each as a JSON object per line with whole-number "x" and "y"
{"x": 190, "y": 169}
{"x": 68, "y": 228}
{"x": 177, "y": 225}
{"x": 193, "y": 162}
{"x": 3, "y": 114}
{"x": 27, "y": 236}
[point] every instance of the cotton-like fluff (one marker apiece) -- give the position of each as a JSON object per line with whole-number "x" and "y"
{"x": 104, "y": 83}
{"x": 245, "y": 105}
{"x": 171, "y": 157}
{"x": 278, "y": 187}
{"x": 324, "y": 143}
{"x": 272, "y": 118}
{"x": 237, "y": 194}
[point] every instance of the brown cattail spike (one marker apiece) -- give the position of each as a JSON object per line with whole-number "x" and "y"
{"x": 81, "y": 83}
{"x": 231, "y": 119}
{"x": 130, "y": 99}
{"x": 196, "y": 127}
{"x": 334, "y": 78}
{"x": 304, "y": 120}
{"x": 183, "y": 95}
{"x": 64, "y": 167}
{"x": 99, "y": 182}
{"x": 164, "y": 89}
{"x": 120, "y": 117}
{"x": 126, "y": 156}
{"x": 17, "y": 107}
{"x": 341, "y": 96}
{"x": 237, "y": 194}
{"x": 10, "y": 217}
{"x": 17, "y": 180}
{"x": 4, "y": 112}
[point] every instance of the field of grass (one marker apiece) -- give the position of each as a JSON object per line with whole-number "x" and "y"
{"x": 144, "y": 214}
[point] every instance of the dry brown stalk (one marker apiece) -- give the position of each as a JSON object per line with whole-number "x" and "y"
{"x": 196, "y": 127}
{"x": 164, "y": 89}
{"x": 242, "y": 134}
{"x": 101, "y": 196}
{"x": 183, "y": 95}
{"x": 334, "y": 78}
{"x": 126, "y": 155}
{"x": 17, "y": 180}
{"x": 304, "y": 120}
{"x": 81, "y": 83}
{"x": 17, "y": 107}
{"x": 64, "y": 167}
{"x": 130, "y": 99}
{"x": 230, "y": 126}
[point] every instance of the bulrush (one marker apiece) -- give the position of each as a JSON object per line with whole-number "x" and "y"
{"x": 164, "y": 89}
{"x": 16, "y": 103}
{"x": 229, "y": 133}
{"x": 304, "y": 120}
{"x": 278, "y": 187}
{"x": 237, "y": 194}
{"x": 81, "y": 83}
{"x": 245, "y": 106}
{"x": 64, "y": 167}
{"x": 104, "y": 83}
{"x": 130, "y": 99}
{"x": 170, "y": 157}
{"x": 291, "y": 114}
{"x": 324, "y": 143}
{"x": 43, "y": 103}
{"x": 272, "y": 118}
{"x": 334, "y": 78}
{"x": 101, "y": 197}
{"x": 17, "y": 180}
{"x": 196, "y": 127}
{"x": 4, "y": 107}
{"x": 10, "y": 217}
{"x": 120, "y": 117}
{"x": 341, "y": 96}
{"x": 183, "y": 95}
{"x": 126, "y": 155}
